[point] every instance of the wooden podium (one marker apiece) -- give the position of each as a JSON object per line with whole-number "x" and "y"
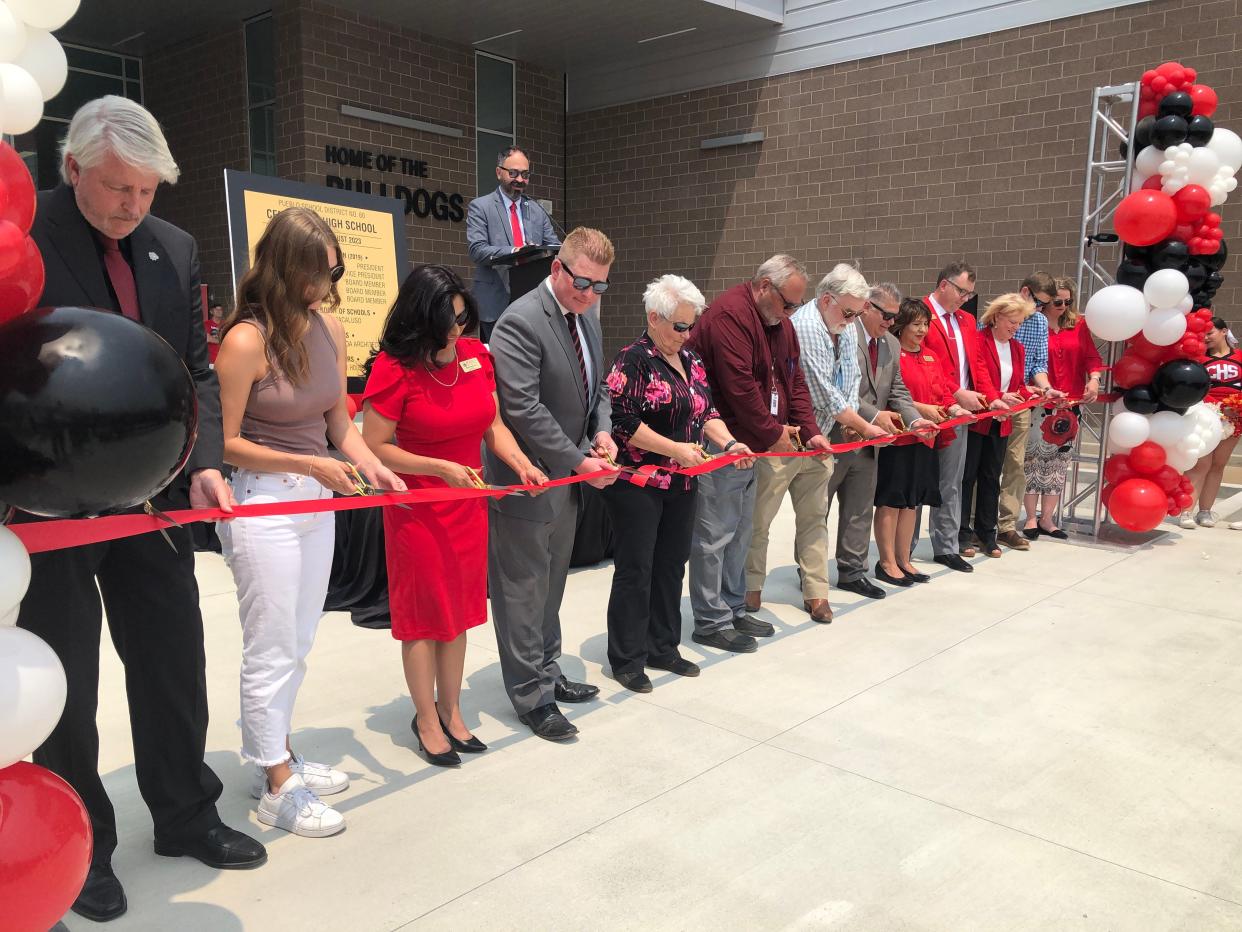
{"x": 527, "y": 268}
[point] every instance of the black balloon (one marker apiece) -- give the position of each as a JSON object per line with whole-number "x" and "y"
{"x": 97, "y": 413}
{"x": 1199, "y": 130}
{"x": 1175, "y": 410}
{"x": 1196, "y": 275}
{"x": 1168, "y": 131}
{"x": 1180, "y": 383}
{"x": 1216, "y": 260}
{"x": 1137, "y": 254}
{"x": 1169, "y": 254}
{"x": 1141, "y": 137}
{"x": 1133, "y": 274}
{"x": 1214, "y": 281}
{"x": 1140, "y": 399}
{"x": 1179, "y": 103}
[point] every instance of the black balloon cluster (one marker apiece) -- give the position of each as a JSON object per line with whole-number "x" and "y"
{"x": 1202, "y": 272}
{"x": 1172, "y": 125}
{"x": 1177, "y": 386}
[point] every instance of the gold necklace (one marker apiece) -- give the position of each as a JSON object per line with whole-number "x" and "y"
{"x": 456, "y": 375}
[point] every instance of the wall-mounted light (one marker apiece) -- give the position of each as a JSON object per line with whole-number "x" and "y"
{"x": 392, "y": 119}
{"x": 719, "y": 142}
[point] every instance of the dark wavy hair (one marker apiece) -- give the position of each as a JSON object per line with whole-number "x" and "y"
{"x": 420, "y": 319}
{"x": 910, "y": 310}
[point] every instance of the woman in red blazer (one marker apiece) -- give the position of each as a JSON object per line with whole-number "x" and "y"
{"x": 1005, "y": 361}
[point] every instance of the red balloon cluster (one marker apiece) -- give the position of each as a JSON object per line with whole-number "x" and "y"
{"x": 21, "y": 266}
{"x": 1140, "y": 488}
{"x": 1141, "y": 359}
{"x": 1205, "y": 236}
{"x": 1169, "y": 77}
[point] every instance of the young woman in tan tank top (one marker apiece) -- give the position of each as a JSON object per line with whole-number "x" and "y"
{"x": 282, "y": 393}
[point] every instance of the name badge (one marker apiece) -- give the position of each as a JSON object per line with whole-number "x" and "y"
{"x": 469, "y": 365}
{"x": 775, "y": 405}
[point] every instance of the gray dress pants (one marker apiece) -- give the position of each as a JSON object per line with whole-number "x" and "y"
{"x": 722, "y": 532}
{"x": 853, "y": 485}
{"x": 946, "y": 520}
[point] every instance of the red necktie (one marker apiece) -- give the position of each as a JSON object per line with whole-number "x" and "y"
{"x": 572, "y": 320}
{"x": 518, "y": 242}
{"x": 122, "y": 278}
{"x": 873, "y": 350}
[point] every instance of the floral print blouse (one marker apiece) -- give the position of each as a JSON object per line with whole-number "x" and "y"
{"x": 645, "y": 389}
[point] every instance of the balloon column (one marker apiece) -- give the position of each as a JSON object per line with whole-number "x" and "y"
{"x": 45, "y": 835}
{"x": 1184, "y": 166}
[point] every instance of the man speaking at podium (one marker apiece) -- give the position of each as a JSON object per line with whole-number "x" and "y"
{"x": 498, "y": 224}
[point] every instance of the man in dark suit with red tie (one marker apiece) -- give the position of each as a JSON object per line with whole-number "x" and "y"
{"x": 102, "y": 249}
{"x": 953, "y": 338}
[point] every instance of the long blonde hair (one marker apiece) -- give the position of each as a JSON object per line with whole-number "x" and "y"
{"x": 1069, "y": 316}
{"x": 290, "y": 262}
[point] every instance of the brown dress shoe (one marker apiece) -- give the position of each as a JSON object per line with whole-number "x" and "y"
{"x": 819, "y": 610}
{"x": 754, "y": 600}
{"x": 1013, "y": 540}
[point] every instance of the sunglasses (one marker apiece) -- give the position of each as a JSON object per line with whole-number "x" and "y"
{"x": 789, "y": 305}
{"x": 462, "y": 319}
{"x": 336, "y": 273}
{"x": 582, "y": 283}
{"x": 1062, "y": 302}
{"x": 515, "y": 174}
{"x": 888, "y": 316}
{"x": 683, "y": 328}
{"x": 1040, "y": 305}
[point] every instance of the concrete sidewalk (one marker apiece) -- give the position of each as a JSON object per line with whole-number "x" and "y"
{"x": 1049, "y": 743}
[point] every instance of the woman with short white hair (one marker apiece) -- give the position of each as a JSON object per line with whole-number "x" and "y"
{"x": 661, "y": 411}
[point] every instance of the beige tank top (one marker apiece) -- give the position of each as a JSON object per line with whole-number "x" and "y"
{"x": 291, "y": 418}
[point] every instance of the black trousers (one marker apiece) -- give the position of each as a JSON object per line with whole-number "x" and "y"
{"x": 151, "y": 598}
{"x": 985, "y": 458}
{"x": 485, "y": 329}
{"x": 652, "y": 529}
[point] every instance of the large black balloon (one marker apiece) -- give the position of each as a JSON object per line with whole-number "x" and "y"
{"x": 1196, "y": 275}
{"x": 1199, "y": 130}
{"x": 1169, "y": 254}
{"x": 1168, "y": 131}
{"x": 1180, "y": 383}
{"x": 1134, "y": 253}
{"x": 1133, "y": 274}
{"x": 1140, "y": 399}
{"x": 1141, "y": 137}
{"x": 1214, "y": 281}
{"x": 1216, "y": 260}
{"x": 1179, "y": 103}
{"x": 97, "y": 413}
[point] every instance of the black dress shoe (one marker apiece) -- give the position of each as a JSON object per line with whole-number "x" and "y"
{"x": 567, "y": 691}
{"x": 727, "y": 639}
{"x": 863, "y": 586}
{"x": 749, "y": 624}
{"x": 679, "y": 665}
{"x": 447, "y": 759}
{"x": 473, "y": 746}
{"x": 548, "y": 723}
{"x": 1030, "y": 533}
{"x": 220, "y": 847}
{"x": 892, "y": 580}
{"x": 1056, "y": 533}
{"x": 915, "y": 577}
{"x": 102, "y": 897}
{"x": 634, "y": 682}
{"x": 954, "y": 562}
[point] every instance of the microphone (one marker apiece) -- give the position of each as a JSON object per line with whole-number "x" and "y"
{"x": 559, "y": 229}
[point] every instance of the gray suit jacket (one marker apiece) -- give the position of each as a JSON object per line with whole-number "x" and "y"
{"x": 489, "y": 236}
{"x": 885, "y": 391}
{"x": 542, "y": 399}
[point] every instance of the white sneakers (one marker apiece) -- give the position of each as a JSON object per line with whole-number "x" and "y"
{"x": 1186, "y": 522}
{"x": 1206, "y": 518}
{"x": 318, "y": 778}
{"x": 297, "y": 809}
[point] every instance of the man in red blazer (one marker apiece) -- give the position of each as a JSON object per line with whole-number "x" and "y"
{"x": 953, "y": 338}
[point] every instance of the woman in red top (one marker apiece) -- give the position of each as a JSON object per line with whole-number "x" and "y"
{"x": 908, "y": 476}
{"x": 1224, "y": 366}
{"x": 1074, "y": 367}
{"x": 1005, "y": 360}
{"x": 434, "y": 390}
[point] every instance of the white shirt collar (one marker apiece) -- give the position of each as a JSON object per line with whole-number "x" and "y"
{"x": 548, "y": 282}
{"x": 509, "y": 200}
{"x": 936, "y": 306}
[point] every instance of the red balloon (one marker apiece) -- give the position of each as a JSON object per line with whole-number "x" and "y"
{"x": 1147, "y": 458}
{"x": 1184, "y": 499}
{"x": 1191, "y": 76}
{"x": 45, "y": 846}
{"x": 1204, "y": 100}
{"x": 1148, "y": 105}
{"x": 1117, "y": 468}
{"x": 1132, "y": 369}
{"x": 1138, "y": 504}
{"x": 1184, "y": 232}
{"x": 1105, "y": 494}
{"x": 1153, "y": 183}
{"x": 1196, "y": 324}
{"x": 16, "y": 179}
{"x": 12, "y": 247}
{"x": 1139, "y": 345}
{"x": 21, "y": 288}
{"x": 1192, "y": 203}
{"x": 1173, "y": 73}
{"x": 1145, "y": 218}
{"x": 1167, "y": 478}
{"x": 1148, "y": 76}
{"x": 351, "y": 406}
{"x": 1160, "y": 85}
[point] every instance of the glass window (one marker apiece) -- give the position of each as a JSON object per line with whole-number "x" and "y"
{"x": 494, "y": 121}
{"x": 261, "y": 93}
{"x": 84, "y": 59}
{"x": 487, "y": 146}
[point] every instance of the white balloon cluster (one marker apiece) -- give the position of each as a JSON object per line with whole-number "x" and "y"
{"x": 32, "y": 681}
{"x": 1212, "y": 166}
{"x": 1185, "y": 437}
{"x": 33, "y": 68}
{"x": 1118, "y": 312}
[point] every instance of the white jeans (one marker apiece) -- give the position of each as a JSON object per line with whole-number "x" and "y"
{"x": 281, "y": 566}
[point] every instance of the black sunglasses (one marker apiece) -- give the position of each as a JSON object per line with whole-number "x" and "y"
{"x": 462, "y": 319}
{"x": 582, "y": 283}
{"x": 789, "y": 305}
{"x": 889, "y": 316}
{"x": 1039, "y": 305}
{"x": 336, "y": 273}
{"x": 1062, "y": 302}
{"x": 683, "y": 328}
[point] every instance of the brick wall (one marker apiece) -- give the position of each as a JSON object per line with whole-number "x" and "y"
{"x": 974, "y": 148}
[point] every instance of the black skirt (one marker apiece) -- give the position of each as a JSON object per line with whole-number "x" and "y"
{"x": 907, "y": 477}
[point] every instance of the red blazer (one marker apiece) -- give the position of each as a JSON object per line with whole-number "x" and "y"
{"x": 991, "y": 361}
{"x": 944, "y": 347}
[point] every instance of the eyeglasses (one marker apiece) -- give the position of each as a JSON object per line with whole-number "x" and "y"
{"x": 462, "y": 319}
{"x": 336, "y": 273}
{"x": 582, "y": 283}
{"x": 889, "y": 316}
{"x": 961, "y": 292}
{"x": 516, "y": 173}
{"x": 1040, "y": 305}
{"x": 683, "y": 328}
{"x": 1062, "y": 302}
{"x": 789, "y": 305}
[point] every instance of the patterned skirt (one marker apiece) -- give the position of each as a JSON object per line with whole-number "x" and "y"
{"x": 1046, "y": 465}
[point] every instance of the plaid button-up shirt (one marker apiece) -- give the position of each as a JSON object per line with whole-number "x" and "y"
{"x": 831, "y": 372}
{"x": 1033, "y": 335}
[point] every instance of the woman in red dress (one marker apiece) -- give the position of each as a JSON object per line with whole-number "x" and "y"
{"x": 434, "y": 391}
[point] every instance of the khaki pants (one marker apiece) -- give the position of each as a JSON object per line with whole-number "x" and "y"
{"x": 1013, "y": 474}
{"x": 806, "y": 480}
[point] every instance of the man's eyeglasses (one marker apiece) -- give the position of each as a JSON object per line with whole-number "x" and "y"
{"x": 889, "y": 316}
{"x": 582, "y": 283}
{"x": 336, "y": 273}
{"x": 789, "y": 305}
{"x": 1062, "y": 302}
{"x": 516, "y": 173}
{"x": 961, "y": 292}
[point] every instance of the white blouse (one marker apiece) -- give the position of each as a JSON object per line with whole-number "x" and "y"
{"x": 1005, "y": 354}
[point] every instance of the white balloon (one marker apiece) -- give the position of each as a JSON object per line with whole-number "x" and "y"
{"x": 1228, "y": 147}
{"x": 1186, "y": 305}
{"x": 1167, "y": 428}
{"x": 9, "y": 618}
{"x": 1116, "y": 312}
{"x": 45, "y": 59}
{"x": 1128, "y": 430}
{"x": 1166, "y": 168}
{"x": 12, "y": 33}
{"x": 1203, "y": 165}
{"x": 1166, "y": 288}
{"x": 1165, "y": 326}
{"x": 44, "y": 14}
{"x": 1149, "y": 160}
{"x": 14, "y": 570}
{"x": 1171, "y": 186}
{"x": 21, "y": 100}
{"x": 32, "y": 693}
{"x": 1179, "y": 460}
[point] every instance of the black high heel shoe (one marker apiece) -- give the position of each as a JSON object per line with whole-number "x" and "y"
{"x": 448, "y": 759}
{"x": 901, "y": 581}
{"x": 914, "y": 577}
{"x": 473, "y": 746}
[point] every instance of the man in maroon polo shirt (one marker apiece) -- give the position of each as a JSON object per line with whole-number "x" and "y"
{"x": 750, "y": 351}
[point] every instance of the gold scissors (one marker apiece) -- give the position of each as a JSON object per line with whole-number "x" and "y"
{"x": 362, "y": 487}
{"x": 703, "y": 453}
